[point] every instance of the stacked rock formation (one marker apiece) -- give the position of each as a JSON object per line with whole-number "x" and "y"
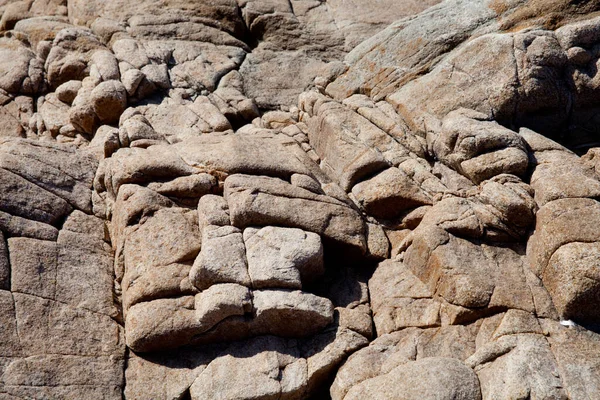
{"x": 273, "y": 199}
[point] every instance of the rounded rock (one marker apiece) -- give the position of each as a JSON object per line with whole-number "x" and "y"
{"x": 109, "y": 100}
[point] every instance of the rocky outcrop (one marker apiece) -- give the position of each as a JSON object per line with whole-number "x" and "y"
{"x": 269, "y": 199}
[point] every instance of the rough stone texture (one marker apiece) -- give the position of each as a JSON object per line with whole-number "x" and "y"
{"x": 272, "y": 199}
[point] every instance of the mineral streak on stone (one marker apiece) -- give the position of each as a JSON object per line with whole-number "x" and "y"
{"x": 297, "y": 199}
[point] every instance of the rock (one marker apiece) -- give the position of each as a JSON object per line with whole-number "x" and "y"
{"x": 18, "y": 226}
{"x": 222, "y": 301}
{"x": 527, "y": 351}
{"x": 554, "y": 229}
{"x": 157, "y": 75}
{"x": 53, "y": 167}
{"x": 186, "y": 186}
{"x": 33, "y": 272}
{"x": 142, "y": 332}
{"x": 20, "y": 70}
{"x": 239, "y": 199}
{"x": 343, "y": 152}
{"x": 211, "y": 114}
{"x": 176, "y": 246}
{"x": 13, "y": 13}
{"x": 274, "y": 202}
{"x": 68, "y": 58}
{"x": 561, "y": 174}
{"x": 85, "y": 270}
{"x": 13, "y": 126}
{"x": 136, "y": 128}
{"x": 378, "y": 244}
{"x": 109, "y": 100}
{"x": 222, "y": 258}
{"x": 54, "y": 113}
{"x": 212, "y": 210}
{"x": 400, "y": 300}
{"x": 4, "y": 265}
{"x": 138, "y": 165}
{"x": 255, "y": 377}
{"x": 283, "y": 257}
{"x": 22, "y": 198}
{"x": 244, "y": 154}
{"x": 279, "y": 89}
{"x": 479, "y": 149}
{"x": 573, "y": 350}
{"x": 574, "y": 263}
{"x": 472, "y": 288}
{"x": 427, "y": 377}
{"x": 104, "y": 66}
{"x": 41, "y": 30}
{"x": 290, "y": 313}
{"x": 389, "y": 193}
{"x": 131, "y": 80}
{"x": 68, "y": 91}
{"x": 99, "y": 377}
{"x": 96, "y": 334}
{"x": 130, "y": 51}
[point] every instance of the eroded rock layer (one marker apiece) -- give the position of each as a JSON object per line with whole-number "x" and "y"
{"x": 265, "y": 199}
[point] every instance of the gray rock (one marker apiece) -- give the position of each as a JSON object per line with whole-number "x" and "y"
{"x": 206, "y": 189}
{"x": 53, "y": 167}
{"x": 400, "y": 300}
{"x": 529, "y": 367}
{"x": 148, "y": 248}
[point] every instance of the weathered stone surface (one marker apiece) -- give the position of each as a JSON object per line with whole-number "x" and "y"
{"x": 34, "y": 265}
{"x": 68, "y": 91}
{"x": 58, "y": 169}
{"x": 554, "y": 228}
{"x": 290, "y": 313}
{"x": 479, "y": 149}
{"x": 513, "y": 373}
{"x": 271, "y": 201}
{"x": 243, "y": 154}
{"x": 153, "y": 256}
{"x": 54, "y": 113}
{"x": 571, "y": 278}
{"x": 68, "y": 58}
{"x": 283, "y": 257}
{"x": 390, "y": 193}
{"x": 401, "y": 300}
{"x": 109, "y": 100}
{"x": 5, "y": 270}
{"x": 260, "y": 199}
{"x": 428, "y": 377}
{"x": 222, "y": 258}
{"x": 25, "y": 199}
{"x": 20, "y": 70}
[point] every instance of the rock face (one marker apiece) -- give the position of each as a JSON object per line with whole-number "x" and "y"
{"x": 265, "y": 199}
